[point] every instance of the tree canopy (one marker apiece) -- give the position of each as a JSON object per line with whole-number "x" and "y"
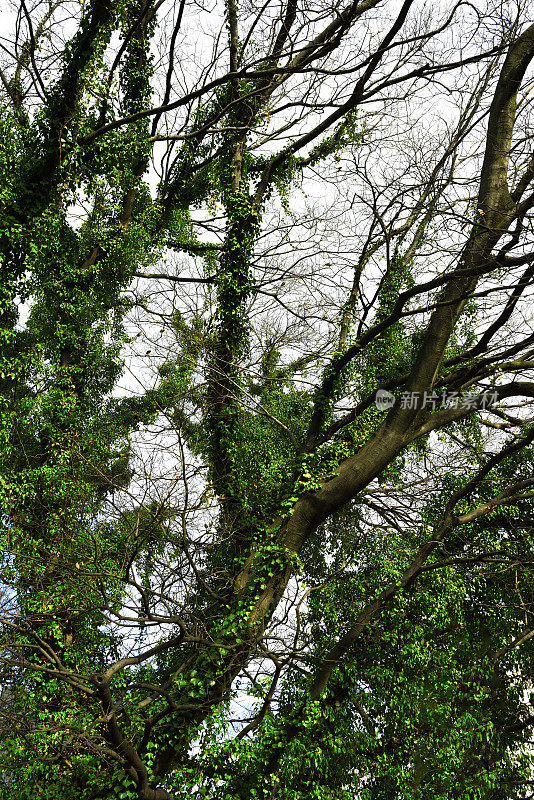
{"x": 266, "y": 386}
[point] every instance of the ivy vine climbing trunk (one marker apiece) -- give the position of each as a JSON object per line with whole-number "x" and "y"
{"x": 266, "y": 385}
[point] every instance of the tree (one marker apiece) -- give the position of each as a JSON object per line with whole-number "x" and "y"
{"x": 266, "y": 385}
